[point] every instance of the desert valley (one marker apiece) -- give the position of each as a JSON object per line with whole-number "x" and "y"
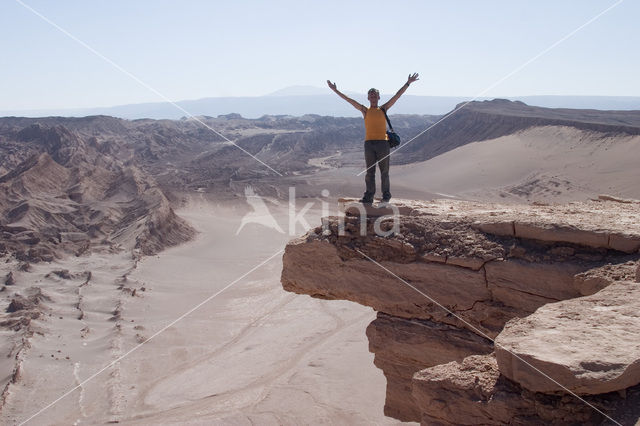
{"x": 155, "y": 273}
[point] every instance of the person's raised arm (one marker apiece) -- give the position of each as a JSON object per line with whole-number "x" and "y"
{"x": 412, "y": 77}
{"x": 355, "y": 104}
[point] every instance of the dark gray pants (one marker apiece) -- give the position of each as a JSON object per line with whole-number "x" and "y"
{"x": 377, "y": 152}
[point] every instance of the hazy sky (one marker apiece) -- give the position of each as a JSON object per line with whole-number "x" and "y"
{"x": 195, "y": 49}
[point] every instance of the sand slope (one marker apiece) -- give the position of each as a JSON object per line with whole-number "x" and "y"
{"x": 549, "y": 164}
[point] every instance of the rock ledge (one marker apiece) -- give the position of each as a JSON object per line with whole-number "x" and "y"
{"x": 553, "y": 285}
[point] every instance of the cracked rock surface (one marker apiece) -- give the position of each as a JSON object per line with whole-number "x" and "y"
{"x": 435, "y": 267}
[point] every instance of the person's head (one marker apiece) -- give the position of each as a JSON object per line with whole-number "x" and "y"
{"x": 374, "y": 96}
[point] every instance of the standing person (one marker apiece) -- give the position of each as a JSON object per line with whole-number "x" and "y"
{"x": 376, "y": 145}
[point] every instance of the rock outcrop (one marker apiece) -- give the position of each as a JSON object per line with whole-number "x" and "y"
{"x": 609, "y": 318}
{"x": 480, "y": 305}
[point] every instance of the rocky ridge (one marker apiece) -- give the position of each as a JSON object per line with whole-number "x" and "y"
{"x": 475, "y": 300}
{"x": 196, "y": 153}
{"x": 66, "y": 195}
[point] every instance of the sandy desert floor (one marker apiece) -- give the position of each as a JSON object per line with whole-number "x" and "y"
{"x": 208, "y": 337}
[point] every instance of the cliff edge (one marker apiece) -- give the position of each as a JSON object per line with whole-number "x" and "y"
{"x": 488, "y": 313}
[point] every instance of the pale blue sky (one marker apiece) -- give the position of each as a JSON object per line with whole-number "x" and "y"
{"x": 196, "y": 49}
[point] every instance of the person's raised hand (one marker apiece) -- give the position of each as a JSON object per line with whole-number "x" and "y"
{"x": 412, "y": 77}
{"x": 332, "y": 86}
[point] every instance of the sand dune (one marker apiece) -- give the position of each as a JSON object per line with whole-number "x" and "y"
{"x": 546, "y": 164}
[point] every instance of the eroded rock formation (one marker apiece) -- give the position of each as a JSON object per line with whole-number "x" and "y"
{"x": 489, "y": 314}
{"x": 69, "y": 197}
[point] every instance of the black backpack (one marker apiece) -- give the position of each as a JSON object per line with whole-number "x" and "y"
{"x": 394, "y": 138}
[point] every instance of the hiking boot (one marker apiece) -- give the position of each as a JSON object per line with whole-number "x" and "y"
{"x": 367, "y": 198}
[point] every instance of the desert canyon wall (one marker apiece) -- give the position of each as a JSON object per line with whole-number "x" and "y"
{"x": 488, "y": 313}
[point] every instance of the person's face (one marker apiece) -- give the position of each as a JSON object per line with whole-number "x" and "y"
{"x": 373, "y": 97}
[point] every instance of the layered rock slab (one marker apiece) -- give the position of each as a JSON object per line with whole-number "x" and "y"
{"x": 316, "y": 268}
{"x": 587, "y": 345}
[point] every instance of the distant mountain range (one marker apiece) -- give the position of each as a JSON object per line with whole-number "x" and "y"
{"x": 301, "y": 100}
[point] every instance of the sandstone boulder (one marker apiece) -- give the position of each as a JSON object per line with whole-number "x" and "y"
{"x": 588, "y": 345}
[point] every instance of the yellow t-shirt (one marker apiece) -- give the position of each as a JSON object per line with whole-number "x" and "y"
{"x": 375, "y": 125}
